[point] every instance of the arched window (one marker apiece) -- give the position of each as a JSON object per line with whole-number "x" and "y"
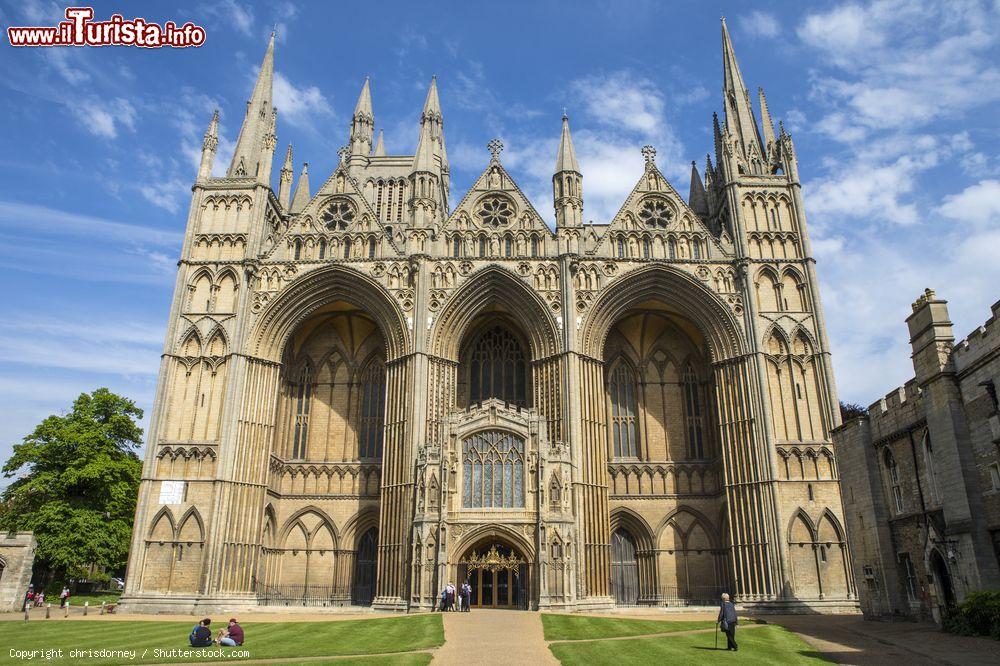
{"x": 622, "y": 391}
{"x": 322, "y": 249}
{"x": 482, "y": 246}
{"x": 298, "y": 250}
{"x": 621, "y": 246}
{"x": 894, "y": 485}
{"x": 692, "y": 414}
{"x": 302, "y": 395}
{"x": 498, "y": 368}
{"x": 645, "y": 248}
{"x": 371, "y": 248}
{"x": 696, "y": 249}
{"x": 347, "y": 248}
{"x": 534, "y": 246}
{"x": 493, "y": 470}
{"x": 508, "y": 246}
{"x": 672, "y": 248}
{"x": 456, "y": 246}
{"x": 372, "y": 409}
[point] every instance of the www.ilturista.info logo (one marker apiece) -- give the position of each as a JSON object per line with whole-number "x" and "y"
{"x": 81, "y": 30}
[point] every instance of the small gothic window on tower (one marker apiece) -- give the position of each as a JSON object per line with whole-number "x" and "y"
{"x": 496, "y": 212}
{"x": 656, "y": 214}
{"x": 338, "y": 215}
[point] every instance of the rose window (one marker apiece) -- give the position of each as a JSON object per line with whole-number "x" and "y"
{"x": 338, "y": 216}
{"x": 496, "y": 212}
{"x": 656, "y": 214}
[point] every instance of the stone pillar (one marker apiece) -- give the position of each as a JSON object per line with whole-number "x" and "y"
{"x": 748, "y": 481}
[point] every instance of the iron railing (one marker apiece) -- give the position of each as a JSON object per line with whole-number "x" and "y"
{"x": 303, "y": 595}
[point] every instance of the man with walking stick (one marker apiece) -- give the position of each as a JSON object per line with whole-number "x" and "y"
{"x": 728, "y": 621}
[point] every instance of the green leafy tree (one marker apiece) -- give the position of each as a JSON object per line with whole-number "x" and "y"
{"x": 76, "y": 486}
{"x": 850, "y": 410}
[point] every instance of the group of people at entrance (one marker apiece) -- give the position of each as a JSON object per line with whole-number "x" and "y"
{"x": 456, "y": 599}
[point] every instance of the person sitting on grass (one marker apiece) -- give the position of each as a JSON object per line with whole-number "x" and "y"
{"x": 231, "y": 636}
{"x": 201, "y": 635}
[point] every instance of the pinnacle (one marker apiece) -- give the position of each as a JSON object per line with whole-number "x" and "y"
{"x": 566, "y": 157}
{"x": 364, "y": 105}
{"x": 432, "y": 105}
{"x": 380, "y": 144}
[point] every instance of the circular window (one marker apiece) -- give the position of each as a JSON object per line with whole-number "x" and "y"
{"x": 338, "y": 215}
{"x": 656, "y": 213}
{"x": 496, "y": 212}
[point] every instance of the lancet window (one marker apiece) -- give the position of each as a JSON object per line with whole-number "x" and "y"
{"x": 693, "y": 415}
{"x": 624, "y": 411}
{"x": 499, "y": 369}
{"x": 302, "y": 394}
{"x": 493, "y": 470}
{"x": 372, "y": 411}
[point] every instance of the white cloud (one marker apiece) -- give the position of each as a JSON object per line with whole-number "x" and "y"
{"x": 760, "y": 24}
{"x": 104, "y": 118}
{"x": 297, "y": 105}
{"x": 168, "y": 195}
{"x": 238, "y": 16}
{"x": 977, "y": 204}
{"x": 26, "y": 218}
{"x": 59, "y": 60}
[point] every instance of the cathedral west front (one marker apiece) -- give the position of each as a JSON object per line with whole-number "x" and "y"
{"x": 371, "y": 387}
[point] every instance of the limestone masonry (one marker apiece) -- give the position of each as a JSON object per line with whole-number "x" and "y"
{"x": 369, "y": 390}
{"x": 921, "y": 473}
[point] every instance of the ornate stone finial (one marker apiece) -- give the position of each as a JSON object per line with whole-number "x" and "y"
{"x": 649, "y": 153}
{"x": 344, "y": 152}
{"x": 495, "y": 147}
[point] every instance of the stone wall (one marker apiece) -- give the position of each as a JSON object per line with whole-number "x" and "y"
{"x": 17, "y": 554}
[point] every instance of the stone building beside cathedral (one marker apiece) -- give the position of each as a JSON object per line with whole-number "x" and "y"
{"x": 372, "y": 388}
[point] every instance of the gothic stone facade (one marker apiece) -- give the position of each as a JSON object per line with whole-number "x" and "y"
{"x": 921, "y": 473}
{"x": 17, "y": 555}
{"x": 368, "y": 391}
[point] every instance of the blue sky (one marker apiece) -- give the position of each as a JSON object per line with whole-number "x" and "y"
{"x": 893, "y": 107}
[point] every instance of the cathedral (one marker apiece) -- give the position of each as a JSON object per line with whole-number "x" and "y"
{"x": 372, "y": 388}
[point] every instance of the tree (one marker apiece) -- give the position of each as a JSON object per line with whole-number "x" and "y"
{"x": 850, "y": 410}
{"x": 77, "y": 481}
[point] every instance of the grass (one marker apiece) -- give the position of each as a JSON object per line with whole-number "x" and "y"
{"x": 769, "y": 644}
{"x": 576, "y": 627}
{"x": 95, "y": 598}
{"x": 265, "y": 640}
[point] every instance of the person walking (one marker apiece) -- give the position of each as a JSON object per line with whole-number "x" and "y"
{"x": 466, "y": 596}
{"x": 728, "y": 621}
{"x": 63, "y": 596}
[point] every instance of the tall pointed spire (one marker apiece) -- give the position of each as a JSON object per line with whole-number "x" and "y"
{"x": 380, "y": 144}
{"x": 566, "y": 157}
{"x": 285, "y": 180}
{"x": 301, "y": 198}
{"x": 258, "y": 126}
{"x": 567, "y": 182}
{"x": 429, "y": 199}
{"x": 697, "y": 199}
{"x": 740, "y": 121}
{"x": 765, "y": 119}
{"x": 362, "y": 126}
{"x": 208, "y": 147}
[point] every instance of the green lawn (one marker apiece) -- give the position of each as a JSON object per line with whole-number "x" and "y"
{"x": 265, "y": 640}
{"x": 575, "y": 627}
{"x": 769, "y": 644}
{"x": 95, "y": 598}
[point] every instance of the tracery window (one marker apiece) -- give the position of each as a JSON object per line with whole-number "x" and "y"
{"x": 693, "y": 415}
{"x": 372, "y": 410}
{"x": 496, "y": 211}
{"x": 337, "y": 215}
{"x": 498, "y": 368}
{"x": 656, "y": 213}
{"x": 493, "y": 470}
{"x": 624, "y": 411}
{"x": 302, "y": 395}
